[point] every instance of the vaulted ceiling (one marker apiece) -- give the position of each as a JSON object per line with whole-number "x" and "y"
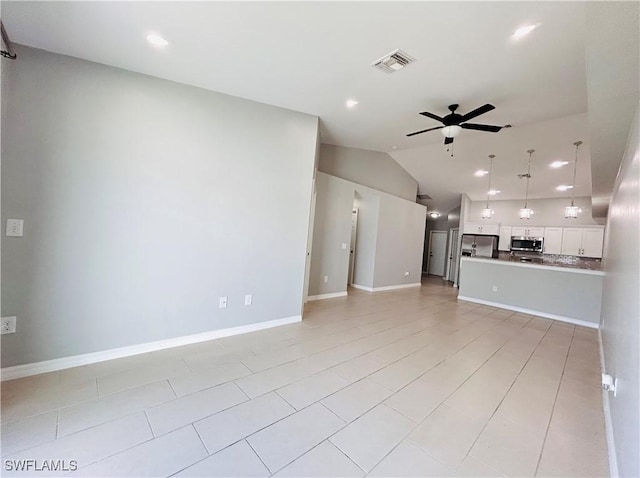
{"x": 313, "y": 56}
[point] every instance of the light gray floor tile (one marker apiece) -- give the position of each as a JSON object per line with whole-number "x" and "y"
{"x": 237, "y": 461}
{"x": 93, "y": 412}
{"x": 222, "y": 429}
{"x": 286, "y": 440}
{"x": 309, "y": 390}
{"x": 91, "y": 445}
{"x": 409, "y": 460}
{"x": 202, "y": 379}
{"x": 142, "y": 375}
{"x": 323, "y": 460}
{"x": 356, "y": 399}
{"x": 182, "y": 411}
{"x": 29, "y": 432}
{"x": 161, "y": 456}
{"x": 368, "y": 439}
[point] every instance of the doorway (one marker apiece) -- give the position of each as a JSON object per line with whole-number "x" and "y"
{"x": 352, "y": 246}
{"x": 437, "y": 253}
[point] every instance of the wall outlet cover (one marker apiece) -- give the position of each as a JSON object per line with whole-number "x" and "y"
{"x": 14, "y": 227}
{"x": 8, "y": 325}
{"x": 248, "y": 299}
{"x": 222, "y": 303}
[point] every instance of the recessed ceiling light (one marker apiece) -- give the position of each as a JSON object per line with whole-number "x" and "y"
{"x": 434, "y": 215}
{"x": 351, "y": 103}
{"x": 156, "y": 40}
{"x": 493, "y": 192}
{"x": 559, "y": 164}
{"x": 523, "y": 31}
{"x": 564, "y": 187}
{"x": 481, "y": 172}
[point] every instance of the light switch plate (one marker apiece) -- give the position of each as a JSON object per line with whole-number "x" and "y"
{"x": 15, "y": 227}
{"x": 344, "y": 245}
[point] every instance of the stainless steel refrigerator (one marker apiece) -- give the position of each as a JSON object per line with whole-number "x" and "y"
{"x": 479, "y": 246}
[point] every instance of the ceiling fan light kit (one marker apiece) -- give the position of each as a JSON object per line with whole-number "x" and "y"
{"x": 571, "y": 212}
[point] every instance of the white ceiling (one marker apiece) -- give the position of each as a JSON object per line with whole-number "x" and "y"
{"x": 313, "y": 56}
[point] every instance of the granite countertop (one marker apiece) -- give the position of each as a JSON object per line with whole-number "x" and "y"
{"x": 553, "y": 260}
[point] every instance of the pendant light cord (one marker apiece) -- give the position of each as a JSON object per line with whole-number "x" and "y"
{"x": 526, "y": 194}
{"x": 491, "y": 156}
{"x": 575, "y": 167}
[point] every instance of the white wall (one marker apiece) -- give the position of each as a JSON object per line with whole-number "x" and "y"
{"x": 621, "y": 307}
{"x": 389, "y": 239}
{"x": 547, "y": 212}
{"x": 370, "y": 168}
{"x": 144, "y": 201}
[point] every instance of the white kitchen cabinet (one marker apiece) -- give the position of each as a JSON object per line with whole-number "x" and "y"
{"x": 504, "y": 242}
{"x": 527, "y": 231}
{"x": 552, "y": 240}
{"x": 479, "y": 228}
{"x": 582, "y": 241}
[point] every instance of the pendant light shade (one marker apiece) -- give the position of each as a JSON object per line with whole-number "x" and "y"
{"x": 571, "y": 212}
{"x": 487, "y": 212}
{"x": 526, "y": 212}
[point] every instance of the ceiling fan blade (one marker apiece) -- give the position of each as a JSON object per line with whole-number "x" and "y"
{"x": 448, "y": 140}
{"x": 481, "y": 127}
{"x": 477, "y": 112}
{"x": 425, "y": 130}
{"x": 431, "y": 115}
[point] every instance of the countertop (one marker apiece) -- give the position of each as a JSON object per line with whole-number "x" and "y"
{"x": 544, "y": 261}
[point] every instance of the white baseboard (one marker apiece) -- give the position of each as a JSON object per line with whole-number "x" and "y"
{"x": 561, "y": 318}
{"x": 327, "y": 296}
{"x": 608, "y": 424}
{"x": 26, "y": 370}
{"x": 388, "y": 287}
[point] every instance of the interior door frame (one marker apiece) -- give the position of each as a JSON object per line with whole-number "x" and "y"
{"x": 429, "y": 250}
{"x": 450, "y": 258}
{"x": 353, "y": 243}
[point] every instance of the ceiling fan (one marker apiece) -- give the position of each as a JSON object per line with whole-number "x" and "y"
{"x": 453, "y": 123}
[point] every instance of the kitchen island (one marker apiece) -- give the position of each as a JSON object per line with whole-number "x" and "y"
{"x": 556, "y": 287}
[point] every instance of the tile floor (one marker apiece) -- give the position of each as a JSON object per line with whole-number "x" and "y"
{"x": 401, "y": 383}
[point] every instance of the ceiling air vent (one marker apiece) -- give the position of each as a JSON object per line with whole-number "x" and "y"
{"x": 394, "y": 61}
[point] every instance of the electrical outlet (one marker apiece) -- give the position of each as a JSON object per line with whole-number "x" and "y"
{"x": 406, "y": 274}
{"x": 14, "y": 227}
{"x": 8, "y": 325}
{"x": 222, "y": 302}
{"x": 495, "y": 288}
{"x": 248, "y": 299}
{"x": 326, "y": 278}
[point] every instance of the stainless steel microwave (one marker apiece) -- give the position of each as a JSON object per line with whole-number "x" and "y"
{"x": 529, "y": 244}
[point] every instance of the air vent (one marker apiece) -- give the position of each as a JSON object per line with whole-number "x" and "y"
{"x": 394, "y": 61}
{"x": 424, "y": 196}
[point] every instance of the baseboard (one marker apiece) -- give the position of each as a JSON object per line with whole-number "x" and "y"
{"x": 388, "y": 287}
{"x": 26, "y": 370}
{"x": 608, "y": 424}
{"x": 327, "y": 296}
{"x": 561, "y": 318}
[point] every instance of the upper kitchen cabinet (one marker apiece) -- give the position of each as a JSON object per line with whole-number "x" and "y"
{"x": 479, "y": 228}
{"x": 583, "y": 241}
{"x": 527, "y": 231}
{"x": 552, "y": 240}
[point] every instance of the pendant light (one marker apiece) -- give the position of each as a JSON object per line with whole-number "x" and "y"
{"x": 571, "y": 212}
{"x": 526, "y": 212}
{"x": 487, "y": 212}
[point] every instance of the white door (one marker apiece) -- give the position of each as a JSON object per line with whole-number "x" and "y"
{"x": 312, "y": 216}
{"x": 352, "y": 247}
{"x": 453, "y": 254}
{"x": 437, "y": 252}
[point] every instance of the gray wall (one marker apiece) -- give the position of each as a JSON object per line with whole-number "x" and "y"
{"x": 388, "y": 241}
{"x": 369, "y": 168}
{"x": 547, "y": 212}
{"x": 621, "y": 307}
{"x": 566, "y": 294}
{"x": 144, "y": 201}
